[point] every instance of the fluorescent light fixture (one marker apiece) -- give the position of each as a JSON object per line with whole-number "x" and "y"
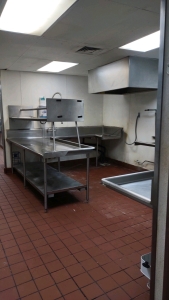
{"x": 32, "y": 16}
{"x": 147, "y": 43}
{"x": 56, "y": 66}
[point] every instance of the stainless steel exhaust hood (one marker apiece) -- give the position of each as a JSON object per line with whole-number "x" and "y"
{"x": 128, "y": 75}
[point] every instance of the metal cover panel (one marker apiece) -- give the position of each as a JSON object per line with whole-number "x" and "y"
{"x": 14, "y": 111}
{"x": 131, "y": 74}
{"x": 109, "y": 77}
{"x": 64, "y": 110}
{"x": 143, "y": 73}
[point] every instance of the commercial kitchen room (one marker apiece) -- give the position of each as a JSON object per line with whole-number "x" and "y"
{"x": 83, "y": 150}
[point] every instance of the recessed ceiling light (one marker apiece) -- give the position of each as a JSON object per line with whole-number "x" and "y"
{"x": 56, "y": 66}
{"x": 32, "y": 16}
{"x": 147, "y": 43}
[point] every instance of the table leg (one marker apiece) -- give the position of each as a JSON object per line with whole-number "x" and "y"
{"x": 11, "y": 157}
{"x": 58, "y": 164}
{"x": 78, "y": 134}
{"x": 24, "y": 169}
{"x": 45, "y": 186}
{"x": 97, "y": 150}
{"x": 87, "y": 179}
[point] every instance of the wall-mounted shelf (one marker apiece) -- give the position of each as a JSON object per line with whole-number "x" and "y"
{"x": 28, "y": 118}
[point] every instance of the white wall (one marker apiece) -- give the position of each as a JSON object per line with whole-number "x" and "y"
{"x": 122, "y": 110}
{"x": 25, "y": 88}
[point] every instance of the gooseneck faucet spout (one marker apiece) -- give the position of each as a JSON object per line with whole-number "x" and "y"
{"x": 56, "y": 94}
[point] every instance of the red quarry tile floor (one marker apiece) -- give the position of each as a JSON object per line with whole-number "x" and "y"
{"x": 77, "y": 250}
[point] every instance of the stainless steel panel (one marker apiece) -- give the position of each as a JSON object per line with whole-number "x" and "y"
{"x": 137, "y": 186}
{"x": 70, "y": 132}
{"x": 25, "y": 133}
{"x": 64, "y": 110}
{"x": 84, "y": 131}
{"x": 109, "y": 77}
{"x": 126, "y": 75}
{"x": 142, "y": 188}
{"x": 143, "y": 72}
{"x": 15, "y": 113}
{"x": 111, "y": 132}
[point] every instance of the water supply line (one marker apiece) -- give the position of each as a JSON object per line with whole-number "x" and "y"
{"x": 138, "y": 116}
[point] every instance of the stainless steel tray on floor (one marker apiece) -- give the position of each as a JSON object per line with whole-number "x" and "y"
{"x": 136, "y": 186}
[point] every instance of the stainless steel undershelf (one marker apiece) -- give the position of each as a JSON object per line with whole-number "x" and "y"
{"x": 56, "y": 181}
{"x": 136, "y": 186}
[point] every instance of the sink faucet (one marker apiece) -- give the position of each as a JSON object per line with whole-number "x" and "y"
{"x": 56, "y": 94}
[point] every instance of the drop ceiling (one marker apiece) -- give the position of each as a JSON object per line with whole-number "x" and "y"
{"x": 105, "y": 24}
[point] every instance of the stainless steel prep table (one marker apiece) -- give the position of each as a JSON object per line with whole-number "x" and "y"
{"x": 44, "y": 178}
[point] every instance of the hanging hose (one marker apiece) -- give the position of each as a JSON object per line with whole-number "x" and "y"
{"x": 148, "y": 161}
{"x": 138, "y": 116}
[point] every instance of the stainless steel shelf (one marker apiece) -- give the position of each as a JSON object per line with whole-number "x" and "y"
{"x": 28, "y": 118}
{"x": 56, "y": 181}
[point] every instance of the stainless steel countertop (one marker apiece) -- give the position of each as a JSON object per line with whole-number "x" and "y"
{"x": 44, "y": 147}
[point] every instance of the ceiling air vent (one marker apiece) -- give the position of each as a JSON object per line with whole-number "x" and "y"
{"x": 90, "y": 50}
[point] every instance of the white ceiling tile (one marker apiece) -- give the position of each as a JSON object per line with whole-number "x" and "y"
{"x": 144, "y": 4}
{"x": 6, "y": 62}
{"x": 105, "y": 24}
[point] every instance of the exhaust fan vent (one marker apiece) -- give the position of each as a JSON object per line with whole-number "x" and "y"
{"x": 90, "y": 50}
